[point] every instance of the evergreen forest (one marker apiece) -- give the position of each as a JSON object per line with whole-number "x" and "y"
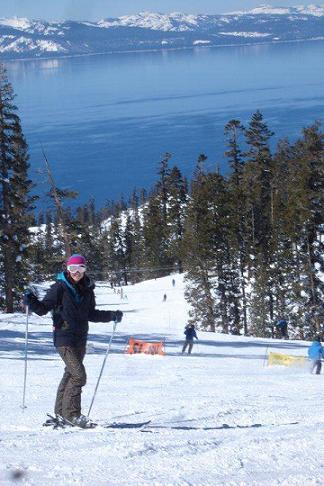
{"x": 249, "y": 242}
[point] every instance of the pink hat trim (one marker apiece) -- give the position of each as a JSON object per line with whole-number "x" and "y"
{"x": 76, "y": 260}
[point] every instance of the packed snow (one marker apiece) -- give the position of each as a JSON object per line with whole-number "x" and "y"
{"x": 218, "y": 417}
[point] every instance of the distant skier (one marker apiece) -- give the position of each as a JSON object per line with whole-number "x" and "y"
{"x": 173, "y": 282}
{"x": 164, "y": 297}
{"x": 282, "y": 326}
{"x": 72, "y": 300}
{"x": 190, "y": 334}
{"x": 316, "y": 353}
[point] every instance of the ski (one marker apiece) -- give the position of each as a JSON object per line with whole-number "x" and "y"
{"x": 126, "y": 425}
{"x": 216, "y": 427}
{"x": 58, "y": 422}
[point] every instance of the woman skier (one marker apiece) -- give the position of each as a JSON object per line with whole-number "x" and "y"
{"x": 72, "y": 302}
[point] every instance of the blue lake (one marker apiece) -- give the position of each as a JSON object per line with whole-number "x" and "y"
{"x": 105, "y": 121}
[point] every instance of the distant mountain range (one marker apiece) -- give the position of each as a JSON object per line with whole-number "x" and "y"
{"x": 23, "y": 38}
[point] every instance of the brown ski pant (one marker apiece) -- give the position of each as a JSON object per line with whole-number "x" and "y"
{"x": 68, "y": 397}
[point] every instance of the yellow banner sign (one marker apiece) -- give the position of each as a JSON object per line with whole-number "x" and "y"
{"x": 286, "y": 360}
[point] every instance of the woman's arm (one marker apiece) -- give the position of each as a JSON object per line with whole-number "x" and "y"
{"x": 96, "y": 315}
{"x": 49, "y": 302}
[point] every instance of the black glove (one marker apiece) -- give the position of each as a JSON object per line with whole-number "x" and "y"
{"x": 118, "y": 315}
{"x": 29, "y": 297}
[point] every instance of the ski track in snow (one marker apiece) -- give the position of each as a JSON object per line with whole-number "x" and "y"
{"x": 269, "y": 419}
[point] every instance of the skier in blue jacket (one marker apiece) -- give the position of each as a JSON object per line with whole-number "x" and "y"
{"x": 315, "y": 353}
{"x": 190, "y": 334}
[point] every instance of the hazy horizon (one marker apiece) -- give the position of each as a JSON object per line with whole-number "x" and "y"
{"x": 98, "y": 9}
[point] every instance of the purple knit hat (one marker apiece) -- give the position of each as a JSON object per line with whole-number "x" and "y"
{"x": 76, "y": 259}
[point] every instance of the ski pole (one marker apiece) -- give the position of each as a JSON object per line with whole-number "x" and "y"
{"x": 26, "y": 355}
{"x": 265, "y": 356}
{"x": 103, "y": 366}
{"x": 198, "y": 348}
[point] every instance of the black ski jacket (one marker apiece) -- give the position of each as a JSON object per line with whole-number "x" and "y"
{"x": 72, "y": 306}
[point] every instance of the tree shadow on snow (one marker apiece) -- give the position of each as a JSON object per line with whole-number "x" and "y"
{"x": 40, "y": 346}
{"x": 235, "y": 348}
{"x": 13, "y": 343}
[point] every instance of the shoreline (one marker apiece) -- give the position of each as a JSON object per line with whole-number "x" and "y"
{"x": 162, "y": 49}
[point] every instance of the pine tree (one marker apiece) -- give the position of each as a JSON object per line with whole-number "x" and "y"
{"x": 257, "y": 180}
{"x": 155, "y": 236}
{"x": 199, "y": 251}
{"x": 134, "y": 241}
{"x": 163, "y": 186}
{"x": 286, "y": 270}
{"x": 177, "y": 203}
{"x": 311, "y": 159}
{"x": 226, "y": 268}
{"x": 62, "y": 216}
{"x": 233, "y": 131}
{"x": 16, "y": 203}
{"x": 238, "y": 213}
{"x": 116, "y": 257}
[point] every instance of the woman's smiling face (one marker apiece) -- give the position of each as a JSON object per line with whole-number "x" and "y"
{"x": 76, "y": 276}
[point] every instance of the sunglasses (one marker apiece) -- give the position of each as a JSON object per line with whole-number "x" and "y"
{"x": 76, "y": 268}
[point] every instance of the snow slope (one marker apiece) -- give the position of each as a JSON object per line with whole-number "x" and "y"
{"x": 219, "y": 417}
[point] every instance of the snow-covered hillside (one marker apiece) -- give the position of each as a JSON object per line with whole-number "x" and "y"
{"x": 176, "y": 22}
{"x": 269, "y": 10}
{"x": 218, "y": 417}
{"x": 21, "y": 37}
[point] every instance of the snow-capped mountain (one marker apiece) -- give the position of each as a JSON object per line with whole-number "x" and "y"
{"x": 316, "y": 10}
{"x": 21, "y": 37}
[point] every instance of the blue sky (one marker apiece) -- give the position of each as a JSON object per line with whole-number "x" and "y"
{"x": 97, "y": 9}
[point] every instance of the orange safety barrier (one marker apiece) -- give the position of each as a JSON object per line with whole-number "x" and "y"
{"x": 138, "y": 346}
